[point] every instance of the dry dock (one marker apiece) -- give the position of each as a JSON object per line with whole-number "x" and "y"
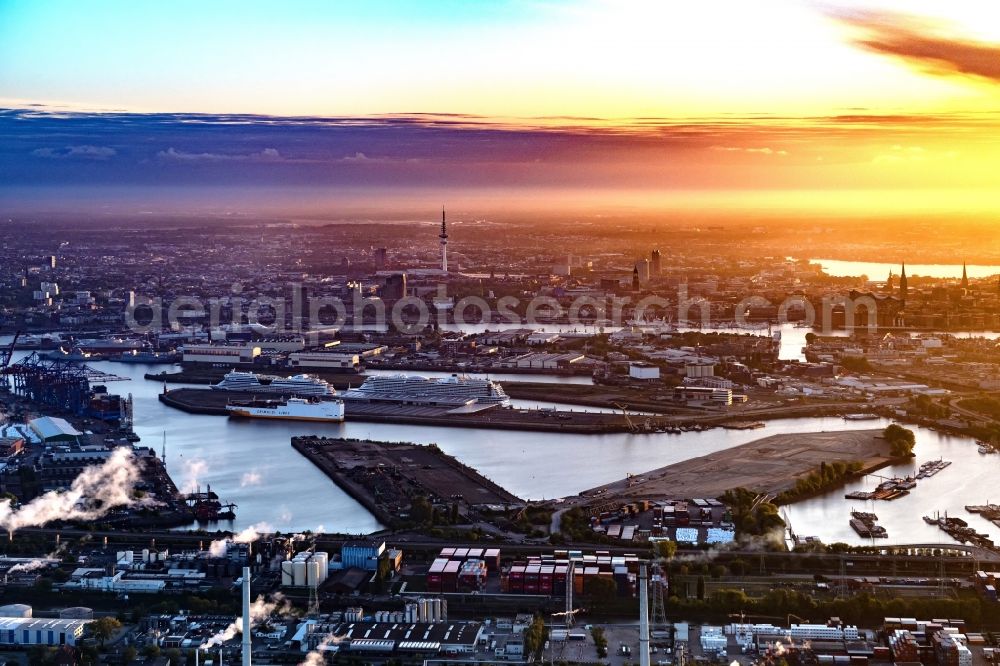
{"x": 384, "y": 476}
{"x": 768, "y": 465}
{"x": 207, "y": 401}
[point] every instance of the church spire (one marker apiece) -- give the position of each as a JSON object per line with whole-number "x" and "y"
{"x": 903, "y": 287}
{"x": 965, "y": 277}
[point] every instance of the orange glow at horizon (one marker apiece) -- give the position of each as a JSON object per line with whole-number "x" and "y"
{"x": 834, "y": 98}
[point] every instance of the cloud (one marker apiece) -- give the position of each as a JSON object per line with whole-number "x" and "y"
{"x": 265, "y": 155}
{"x": 251, "y": 478}
{"x": 83, "y": 152}
{"x": 430, "y": 152}
{"x": 899, "y": 154}
{"x": 361, "y": 158}
{"x": 933, "y": 45}
{"x": 760, "y": 151}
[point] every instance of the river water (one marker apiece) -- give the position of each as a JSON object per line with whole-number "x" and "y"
{"x": 970, "y": 479}
{"x": 880, "y": 271}
{"x": 252, "y": 464}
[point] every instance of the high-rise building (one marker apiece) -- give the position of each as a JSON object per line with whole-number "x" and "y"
{"x": 635, "y": 278}
{"x": 395, "y": 287}
{"x": 655, "y": 260}
{"x": 643, "y": 266}
{"x": 381, "y": 254}
{"x": 444, "y": 243}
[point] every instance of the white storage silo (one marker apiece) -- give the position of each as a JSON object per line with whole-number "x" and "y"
{"x": 438, "y": 614}
{"x": 287, "y": 577}
{"x": 323, "y": 558}
{"x": 298, "y": 572}
{"x": 312, "y": 573}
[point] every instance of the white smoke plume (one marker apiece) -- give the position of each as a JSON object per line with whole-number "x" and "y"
{"x": 315, "y": 657}
{"x": 260, "y": 610}
{"x": 194, "y": 469}
{"x": 41, "y": 562}
{"x": 219, "y": 547}
{"x": 252, "y": 533}
{"x": 26, "y": 567}
{"x": 95, "y": 492}
{"x": 769, "y": 541}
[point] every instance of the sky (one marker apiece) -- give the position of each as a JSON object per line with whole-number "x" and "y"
{"x": 788, "y": 103}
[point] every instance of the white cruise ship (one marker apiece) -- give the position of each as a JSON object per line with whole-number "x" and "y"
{"x": 293, "y": 409}
{"x": 304, "y": 385}
{"x": 414, "y": 389}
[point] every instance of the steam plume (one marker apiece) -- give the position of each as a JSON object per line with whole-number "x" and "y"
{"x": 250, "y": 534}
{"x": 315, "y": 657}
{"x": 95, "y": 492}
{"x": 260, "y": 610}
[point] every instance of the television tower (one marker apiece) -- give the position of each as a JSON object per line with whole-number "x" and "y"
{"x": 444, "y": 243}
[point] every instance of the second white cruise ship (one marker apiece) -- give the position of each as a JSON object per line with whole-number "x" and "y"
{"x": 415, "y": 389}
{"x": 304, "y": 385}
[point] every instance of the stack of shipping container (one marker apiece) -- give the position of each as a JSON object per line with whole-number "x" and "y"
{"x": 467, "y": 570}
{"x": 548, "y": 575}
{"x": 462, "y": 569}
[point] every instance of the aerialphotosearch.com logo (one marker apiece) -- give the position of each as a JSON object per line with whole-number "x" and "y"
{"x": 314, "y": 314}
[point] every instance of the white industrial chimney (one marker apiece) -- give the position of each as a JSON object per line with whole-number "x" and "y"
{"x": 643, "y": 617}
{"x": 246, "y": 616}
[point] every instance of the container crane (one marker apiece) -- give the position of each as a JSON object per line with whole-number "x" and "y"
{"x": 628, "y": 420}
{"x": 8, "y": 353}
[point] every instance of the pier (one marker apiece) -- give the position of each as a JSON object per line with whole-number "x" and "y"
{"x": 207, "y": 401}
{"x": 768, "y": 465}
{"x": 384, "y": 477}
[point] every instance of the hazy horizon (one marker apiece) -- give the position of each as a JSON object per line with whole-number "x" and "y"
{"x": 827, "y": 109}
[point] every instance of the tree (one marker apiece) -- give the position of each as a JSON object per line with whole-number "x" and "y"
{"x": 41, "y": 655}
{"x": 535, "y": 637}
{"x": 666, "y": 549}
{"x": 600, "y": 641}
{"x": 901, "y": 440}
{"x": 602, "y": 589}
{"x": 129, "y": 654}
{"x": 104, "y": 628}
{"x": 719, "y": 570}
{"x": 421, "y": 511}
{"x": 701, "y": 587}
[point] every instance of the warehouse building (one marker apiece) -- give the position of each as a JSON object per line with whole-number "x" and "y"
{"x": 362, "y": 554}
{"x": 53, "y": 429}
{"x": 220, "y": 354}
{"x": 20, "y": 631}
{"x": 325, "y": 360}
